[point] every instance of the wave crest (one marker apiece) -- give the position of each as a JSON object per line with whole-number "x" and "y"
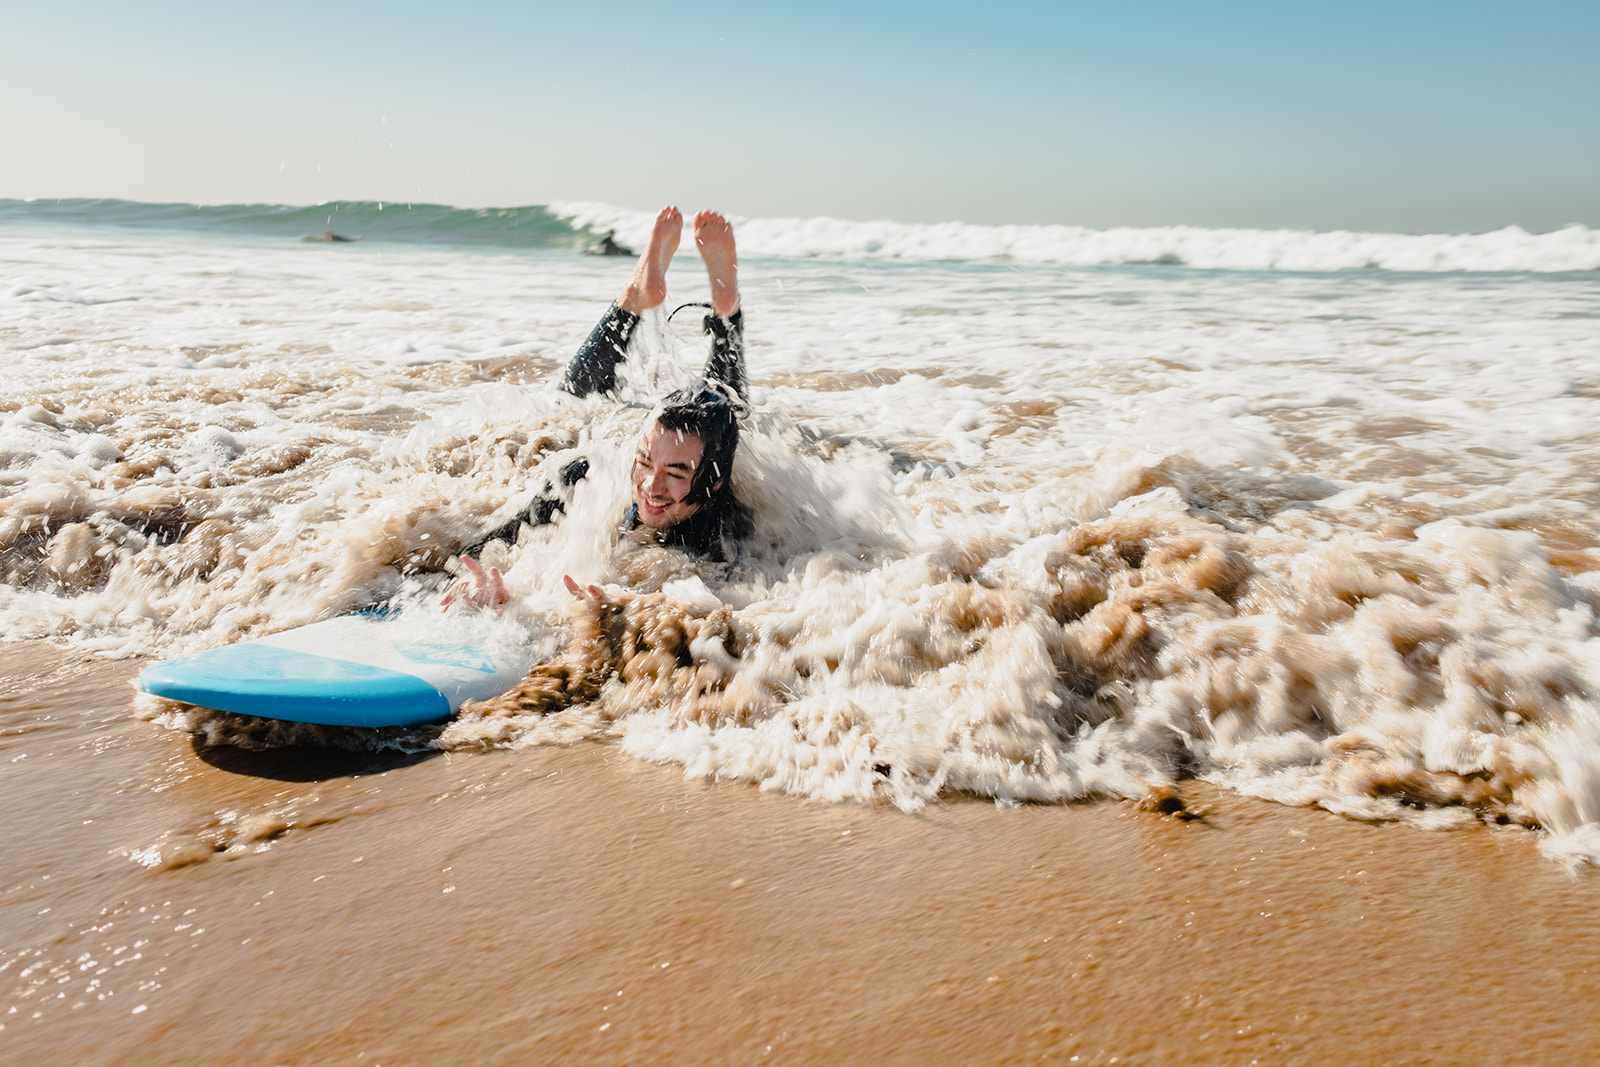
{"x": 1574, "y": 248}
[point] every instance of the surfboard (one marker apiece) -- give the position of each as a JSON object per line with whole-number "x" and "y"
{"x": 366, "y": 670}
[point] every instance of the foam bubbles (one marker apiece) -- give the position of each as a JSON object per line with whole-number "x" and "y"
{"x": 1034, "y": 533}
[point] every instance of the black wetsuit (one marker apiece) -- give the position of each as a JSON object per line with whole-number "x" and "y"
{"x": 607, "y": 246}
{"x": 594, "y": 370}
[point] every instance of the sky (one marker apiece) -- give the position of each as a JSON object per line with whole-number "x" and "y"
{"x": 1391, "y": 115}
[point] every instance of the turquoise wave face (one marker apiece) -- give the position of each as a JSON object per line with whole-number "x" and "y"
{"x": 369, "y": 220}
{"x": 570, "y": 226}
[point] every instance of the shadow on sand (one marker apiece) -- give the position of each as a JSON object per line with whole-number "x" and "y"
{"x": 305, "y": 763}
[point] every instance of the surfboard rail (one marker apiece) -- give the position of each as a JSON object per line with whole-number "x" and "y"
{"x": 366, "y": 670}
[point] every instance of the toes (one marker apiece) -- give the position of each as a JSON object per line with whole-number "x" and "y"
{"x": 710, "y": 227}
{"x": 669, "y": 221}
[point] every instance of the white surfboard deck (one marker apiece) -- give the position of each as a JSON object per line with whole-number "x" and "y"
{"x": 367, "y": 670}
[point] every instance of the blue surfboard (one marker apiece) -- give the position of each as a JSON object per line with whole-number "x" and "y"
{"x": 366, "y": 670}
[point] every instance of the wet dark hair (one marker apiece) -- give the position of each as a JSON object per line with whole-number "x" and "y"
{"x": 707, "y": 414}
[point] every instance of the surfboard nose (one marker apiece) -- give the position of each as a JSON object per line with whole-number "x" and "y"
{"x": 280, "y": 683}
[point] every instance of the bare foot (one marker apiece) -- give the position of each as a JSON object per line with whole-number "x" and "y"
{"x": 714, "y": 235}
{"x": 648, "y": 286}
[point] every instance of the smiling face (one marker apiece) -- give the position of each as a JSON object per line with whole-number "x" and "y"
{"x": 663, "y": 471}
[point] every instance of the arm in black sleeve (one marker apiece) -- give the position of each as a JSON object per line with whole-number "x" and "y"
{"x": 550, "y": 502}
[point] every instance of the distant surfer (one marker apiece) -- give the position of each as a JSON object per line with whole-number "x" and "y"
{"x": 682, "y": 468}
{"x": 607, "y": 246}
{"x": 332, "y": 238}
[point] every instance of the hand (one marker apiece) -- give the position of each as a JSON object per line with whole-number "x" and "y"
{"x": 480, "y": 589}
{"x": 583, "y": 592}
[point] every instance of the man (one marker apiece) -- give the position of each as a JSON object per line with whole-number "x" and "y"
{"x": 607, "y": 246}
{"x": 683, "y": 464}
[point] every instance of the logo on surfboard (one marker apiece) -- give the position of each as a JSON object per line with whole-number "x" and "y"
{"x": 464, "y": 656}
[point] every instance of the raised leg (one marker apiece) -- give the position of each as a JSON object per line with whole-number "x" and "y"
{"x": 594, "y": 368}
{"x": 648, "y": 286}
{"x": 725, "y": 366}
{"x": 713, "y": 235}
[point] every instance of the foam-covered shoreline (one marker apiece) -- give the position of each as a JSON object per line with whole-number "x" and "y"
{"x": 565, "y": 905}
{"x": 1037, "y": 534}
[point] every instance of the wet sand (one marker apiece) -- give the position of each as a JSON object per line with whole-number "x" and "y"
{"x": 164, "y": 903}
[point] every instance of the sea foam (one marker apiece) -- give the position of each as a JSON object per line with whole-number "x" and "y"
{"x": 1574, "y": 248}
{"x": 1033, "y": 533}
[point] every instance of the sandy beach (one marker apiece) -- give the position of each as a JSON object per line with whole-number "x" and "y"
{"x": 815, "y": 535}
{"x": 1305, "y": 533}
{"x": 166, "y": 903}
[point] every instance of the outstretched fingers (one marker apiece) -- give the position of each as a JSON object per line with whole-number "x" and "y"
{"x": 482, "y": 588}
{"x": 583, "y": 592}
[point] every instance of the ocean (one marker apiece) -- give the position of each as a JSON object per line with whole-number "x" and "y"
{"x": 1065, "y": 521}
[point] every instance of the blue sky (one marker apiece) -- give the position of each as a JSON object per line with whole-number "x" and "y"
{"x": 1411, "y": 116}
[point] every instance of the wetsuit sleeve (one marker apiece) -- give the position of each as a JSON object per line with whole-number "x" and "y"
{"x": 594, "y": 368}
{"x": 550, "y": 502}
{"x": 725, "y": 366}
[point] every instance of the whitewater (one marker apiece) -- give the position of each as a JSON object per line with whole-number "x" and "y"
{"x": 1042, "y": 513}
